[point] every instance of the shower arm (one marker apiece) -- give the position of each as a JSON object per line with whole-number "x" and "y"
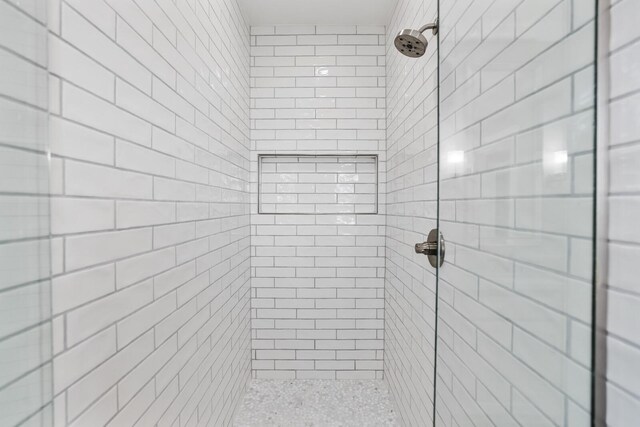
{"x": 432, "y": 26}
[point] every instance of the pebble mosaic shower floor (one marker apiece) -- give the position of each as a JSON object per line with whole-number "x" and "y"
{"x": 316, "y": 403}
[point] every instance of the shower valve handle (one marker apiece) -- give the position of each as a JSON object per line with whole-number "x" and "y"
{"x": 433, "y": 248}
{"x": 427, "y": 248}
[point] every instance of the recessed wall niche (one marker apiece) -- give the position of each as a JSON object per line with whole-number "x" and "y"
{"x": 317, "y": 184}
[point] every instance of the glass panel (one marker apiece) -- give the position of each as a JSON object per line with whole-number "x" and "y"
{"x": 25, "y": 313}
{"x": 516, "y": 203}
{"x": 411, "y": 187}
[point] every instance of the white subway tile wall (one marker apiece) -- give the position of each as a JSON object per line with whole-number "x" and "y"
{"x": 412, "y": 209}
{"x": 152, "y": 165}
{"x": 318, "y": 279}
{"x": 516, "y": 203}
{"x": 149, "y": 211}
{"x": 623, "y": 352}
{"x": 25, "y": 258}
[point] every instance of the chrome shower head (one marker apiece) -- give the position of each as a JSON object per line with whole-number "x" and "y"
{"x": 413, "y": 43}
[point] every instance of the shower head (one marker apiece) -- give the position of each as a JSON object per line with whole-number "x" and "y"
{"x": 413, "y": 43}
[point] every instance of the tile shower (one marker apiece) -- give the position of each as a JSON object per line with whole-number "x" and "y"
{"x": 318, "y": 274}
{"x": 207, "y": 221}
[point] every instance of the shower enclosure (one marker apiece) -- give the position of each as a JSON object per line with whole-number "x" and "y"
{"x": 297, "y": 202}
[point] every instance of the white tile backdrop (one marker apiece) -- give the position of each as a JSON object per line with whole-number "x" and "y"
{"x": 149, "y": 211}
{"x": 317, "y": 280}
{"x": 623, "y": 355}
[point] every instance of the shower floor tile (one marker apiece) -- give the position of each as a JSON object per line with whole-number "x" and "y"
{"x": 316, "y": 403}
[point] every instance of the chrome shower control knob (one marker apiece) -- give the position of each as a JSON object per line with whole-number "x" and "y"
{"x": 427, "y": 248}
{"x": 433, "y": 248}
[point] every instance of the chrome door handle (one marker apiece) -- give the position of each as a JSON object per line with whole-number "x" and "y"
{"x": 430, "y": 248}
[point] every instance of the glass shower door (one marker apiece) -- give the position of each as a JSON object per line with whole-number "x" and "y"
{"x": 25, "y": 259}
{"x": 516, "y": 210}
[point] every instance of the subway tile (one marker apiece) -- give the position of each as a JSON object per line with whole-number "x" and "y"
{"x": 102, "y": 16}
{"x": 358, "y": 39}
{"x": 90, "y": 387}
{"x": 144, "y": 213}
{"x": 317, "y": 40}
{"x": 554, "y": 26}
{"x": 71, "y": 290}
{"x": 70, "y": 64}
{"x": 131, "y": 99}
{"x": 622, "y": 210}
{"x": 75, "y": 215}
{"x": 525, "y": 380}
{"x": 336, "y": 29}
{"x": 172, "y": 234}
{"x": 71, "y": 140}
{"x": 623, "y": 128}
{"x": 552, "y": 365}
{"x": 621, "y": 19}
{"x": 89, "y": 319}
{"x": 83, "y": 358}
{"x": 141, "y": 321}
{"x": 134, "y": 269}
{"x": 103, "y": 116}
{"x": 566, "y": 295}
{"x": 101, "y": 411}
{"x": 159, "y": 19}
{"x": 292, "y": 51}
{"x": 262, "y": 40}
{"x": 170, "y": 54}
{"x": 295, "y": 29}
{"x": 580, "y": 48}
{"x": 135, "y": 406}
{"x": 530, "y": 111}
{"x": 571, "y": 216}
{"x": 524, "y": 246}
{"x": 134, "y": 157}
{"x": 140, "y": 47}
{"x": 90, "y": 249}
{"x": 83, "y": 35}
{"x": 85, "y": 179}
